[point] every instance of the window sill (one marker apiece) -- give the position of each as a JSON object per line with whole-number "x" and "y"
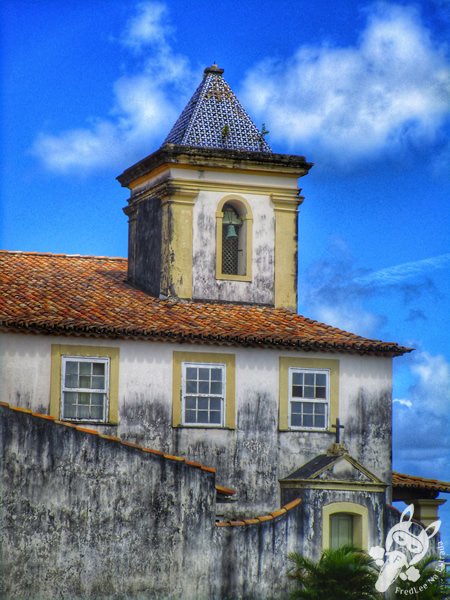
{"x": 220, "y": 427}
{"x": 87, "y": 422}
{"x": 224, "y": 277}
{"x": 309, "y": 430}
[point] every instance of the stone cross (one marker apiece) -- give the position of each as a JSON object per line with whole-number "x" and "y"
{"x": 338, "y": 428}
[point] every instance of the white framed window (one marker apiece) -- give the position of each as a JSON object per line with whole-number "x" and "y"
{"x": 84, "y": 388}
{"x": 203, "y": 394}
{"x": 309, "y": 398}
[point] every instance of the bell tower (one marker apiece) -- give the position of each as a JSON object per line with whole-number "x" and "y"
{"x": 213, "y": 213}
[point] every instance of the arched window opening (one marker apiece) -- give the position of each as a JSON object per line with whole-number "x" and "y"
{"x": 233, "y": 249}
{"x": 343, "y": 524}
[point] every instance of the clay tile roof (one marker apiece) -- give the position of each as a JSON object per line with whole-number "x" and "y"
{"x": 89, "y": 296}
{"x": 400, "y": 480}
{"x": 214, "y": 118}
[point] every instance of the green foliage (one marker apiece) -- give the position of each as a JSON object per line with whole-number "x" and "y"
{"x": 264, "y": 130}
{"x": 432, "y": 580}
{"x": 343, "y": 574}
{"x": 225, "y": 132}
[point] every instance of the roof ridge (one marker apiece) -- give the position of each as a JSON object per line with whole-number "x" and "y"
{"x": 61, "y": 255}
{"x": 263, "y": 518}
{"x": 111, "y": 438}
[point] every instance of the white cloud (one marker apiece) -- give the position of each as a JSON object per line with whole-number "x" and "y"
{"x": 144, "y": 105}
{"x": 422, "y": 433}
{"x": 403, "y": 402}
{"x": 148, "y": 26}
{"x": 398, "y": 273}
{"x": 432, "y": 390}
{"x": 390, "y": 89}
{"x": 350, "y": 316}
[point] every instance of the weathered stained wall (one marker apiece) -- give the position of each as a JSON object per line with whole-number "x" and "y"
{"x": 85, "y": 517}
{"x": 172, "y": 234}
{"x": 253, "y": 457}
{"x": 205, "y": 285}
{"x": 313, "y": 501}
{"x": 144, "y": 245}
{"x": 257, "y": 555}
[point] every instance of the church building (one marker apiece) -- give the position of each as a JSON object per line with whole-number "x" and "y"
{"x": 157, "y": 411}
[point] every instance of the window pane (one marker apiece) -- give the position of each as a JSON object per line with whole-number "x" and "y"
{"x": 307, "y": 420}
{"x": 297, "y": 391}
{"x": 71, "y": 381}
{"x": 191, "y": 387}
{"x": 296, "y": 407}
{"x": 191, "y": 402}
{"x": 98, "y": 368}
{"x": 97, "y": 399}
{"x": 215, "y": 417}
{"x": 191, "y": 372}
{"x": 97, "y": 412}
{"x": 85, "y": 381}
{"x": 308, "y": 407}
{"x": 83, "y": 412}
{"x": 69, "y": 408}
{"x": 98, "y": 382}
{"x": 319, "y": 421}
{"x": 190, "y": 416}
{"x": 203, "y": 403}
{"x": 203, "y": 374}
{"x": 203, "y": 387}
{"x": 216, "y": 387}
{"x": 84, "y": 398}
{"x": 215, "y": 404}
{"x": 321, "y": 379}
{"x": 216, "y": 374}
{"x": 321, "y": 392}
{"x": 202, "y": 416}
{"x": 85, "y": 368}
{"x": 308, "y": 391}
{"x": 71, "y": 367}
{"x": 297, "y": 378}
{"x": 309, "y": 378}
{"x": 320, "y": 408}
{"x": 296, "y": 420}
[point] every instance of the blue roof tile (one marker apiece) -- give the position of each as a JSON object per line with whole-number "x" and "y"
{"x": 214, "y": 118}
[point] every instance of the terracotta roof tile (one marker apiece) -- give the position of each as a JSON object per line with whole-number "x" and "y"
{"x": 89, "y": 296}
{"x": 400, "y": 480}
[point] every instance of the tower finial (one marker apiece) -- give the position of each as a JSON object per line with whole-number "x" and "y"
{"x": 213, "y": 69}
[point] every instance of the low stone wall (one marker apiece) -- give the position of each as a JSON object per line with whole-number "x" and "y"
{"x": 252, "y": 555}
{"x": 89, "y": 516}
{"x": 84, "y": 516}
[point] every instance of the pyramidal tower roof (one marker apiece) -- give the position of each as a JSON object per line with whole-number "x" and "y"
{"x": 214, "y": 118}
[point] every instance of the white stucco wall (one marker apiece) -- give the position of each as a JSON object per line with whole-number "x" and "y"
{"x": 256, "y": 454}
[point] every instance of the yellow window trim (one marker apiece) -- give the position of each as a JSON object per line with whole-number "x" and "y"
{"x": 204, "y": 357}
{"x": 287, "y": 362}
{"x": 60, "y": 350}
{"x": 360, "y": 516}
{"x": 248, "y": 218}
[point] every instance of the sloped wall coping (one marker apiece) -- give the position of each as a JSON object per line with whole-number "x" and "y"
{"x": 262, "y": 519}
{"x": 111, "y": 438}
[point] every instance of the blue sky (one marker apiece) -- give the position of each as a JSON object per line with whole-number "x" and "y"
{"x": 361, "y": 89}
